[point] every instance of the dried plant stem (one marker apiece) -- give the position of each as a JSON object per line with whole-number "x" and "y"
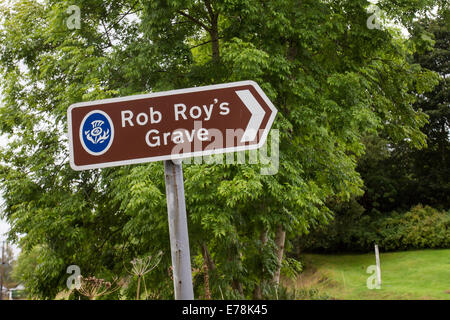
{"x": 138, "y": 287}
{"x": 142, "y": 266}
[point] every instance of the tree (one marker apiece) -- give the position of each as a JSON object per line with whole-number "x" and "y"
{"x": 332, "y": 79}
{"x": 397, "y": 176}
{"x": 399, "y": 179}
{"x": 432, "y": 166}
{"x": 26, "y": 267}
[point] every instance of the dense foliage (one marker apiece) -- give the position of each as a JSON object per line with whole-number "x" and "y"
{"x": 419, "y": 228}
{"x": 397, "y": 176}
{"x": 332, "y": 78}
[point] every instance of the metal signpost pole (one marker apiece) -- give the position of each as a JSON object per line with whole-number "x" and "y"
{"x": 179, "y": 239}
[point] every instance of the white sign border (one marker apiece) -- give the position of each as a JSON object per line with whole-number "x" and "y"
{"x": 176, "y": 156}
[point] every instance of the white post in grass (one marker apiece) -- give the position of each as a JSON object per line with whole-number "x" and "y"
{"x": 377, "y": 257}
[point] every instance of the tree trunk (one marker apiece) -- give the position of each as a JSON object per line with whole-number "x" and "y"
{"x": 207, "y": 257}
{"x": 215, "y": 39}
{"x": 257, "y": 292}
{"x": 213, "y": 31}
{"x": 206, "y": 281}
{"x": 208, "y": 265}
{"x": 237, "y": 285}
{"x": 280, "y": 237}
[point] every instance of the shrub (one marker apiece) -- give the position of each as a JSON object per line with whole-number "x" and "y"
{"x": 419, "y": 228}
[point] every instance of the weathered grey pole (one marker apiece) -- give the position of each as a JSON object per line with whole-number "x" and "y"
{"x": 179, "y": 239}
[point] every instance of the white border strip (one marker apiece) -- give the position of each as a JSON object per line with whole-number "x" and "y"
{"x": 177, "y": 156}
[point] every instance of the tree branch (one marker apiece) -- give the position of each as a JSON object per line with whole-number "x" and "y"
{"x": 210, "y": 10}
{"x": 203, "y": 43}
{"x": 124, "y": 15}
{"x": 196, "y": 21}
{"x": 107, "y": 33}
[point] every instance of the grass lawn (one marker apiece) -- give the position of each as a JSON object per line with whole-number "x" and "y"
{"x": 421, "y": 274}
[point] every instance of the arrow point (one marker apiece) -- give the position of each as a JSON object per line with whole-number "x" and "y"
{"x": 257, "y": 114}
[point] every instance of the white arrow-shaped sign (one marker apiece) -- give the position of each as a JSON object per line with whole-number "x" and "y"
{"x": 257, "y": 114}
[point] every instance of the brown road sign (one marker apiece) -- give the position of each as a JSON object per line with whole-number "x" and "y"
{"x": 167, "y": 125}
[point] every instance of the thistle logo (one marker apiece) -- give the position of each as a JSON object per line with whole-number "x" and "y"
{"x": 96, "y": 132}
